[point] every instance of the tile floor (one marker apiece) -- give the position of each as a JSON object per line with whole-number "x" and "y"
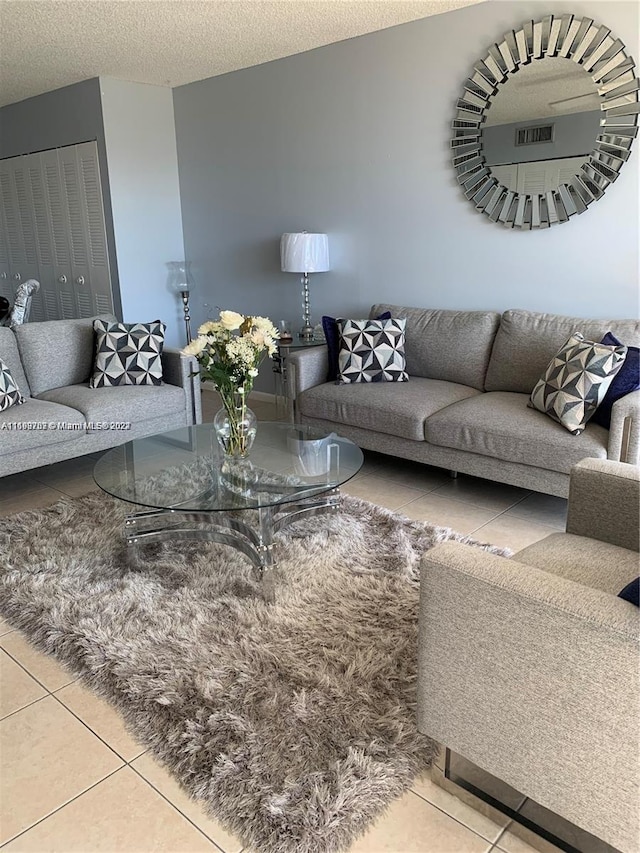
{"x": 72, "y": 777}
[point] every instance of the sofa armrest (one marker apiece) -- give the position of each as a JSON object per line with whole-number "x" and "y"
{"x": 624, "y": 432}
{"x": 177, "y": 369}
{"x": 530, "y": 676}
{"x": 306, "y": 368}
{"x": 604, "y": 497}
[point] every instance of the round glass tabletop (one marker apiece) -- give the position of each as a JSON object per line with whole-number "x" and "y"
{"x": 184, "y": 469}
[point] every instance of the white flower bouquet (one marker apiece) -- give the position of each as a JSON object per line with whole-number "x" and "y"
{"x": 229, "y": 351}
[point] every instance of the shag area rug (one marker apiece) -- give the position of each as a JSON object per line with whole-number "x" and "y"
{"x": 292, "y": 722}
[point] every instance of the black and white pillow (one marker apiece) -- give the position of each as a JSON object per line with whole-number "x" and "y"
{"x": 9, "y": 393}
{"x": 128, "y": 354}
{"x": 372, "y": 351}
{"x": 576, "y": 380}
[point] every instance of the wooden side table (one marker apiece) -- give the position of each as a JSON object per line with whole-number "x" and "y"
{"x": 284, "y": 403}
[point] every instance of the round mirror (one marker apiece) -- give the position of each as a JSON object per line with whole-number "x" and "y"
{"x": 545, "y": 122}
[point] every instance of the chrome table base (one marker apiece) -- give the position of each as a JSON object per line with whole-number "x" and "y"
{"x": 227, "y": 528}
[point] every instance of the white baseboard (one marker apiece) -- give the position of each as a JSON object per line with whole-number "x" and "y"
{"x": 258, "y": 396}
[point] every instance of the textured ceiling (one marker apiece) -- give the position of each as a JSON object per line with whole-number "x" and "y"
{"x": 547, "y": 87}
{"x": 46, "y": 44}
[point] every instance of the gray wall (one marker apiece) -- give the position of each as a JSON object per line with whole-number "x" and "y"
{"x": 573, "y": 135}
{"x": 352, "y": 139}
{"x": 143, "y": 176}
{"x": 63, "y": 117}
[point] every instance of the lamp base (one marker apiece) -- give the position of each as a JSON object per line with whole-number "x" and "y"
{"x": 306, "y": 333}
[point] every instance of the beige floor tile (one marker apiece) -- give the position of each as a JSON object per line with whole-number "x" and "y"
{"x": 162, "y": 780}
{"x": 508, "y": 531}
{"x": 77, "y": 487}
{"x": 422, "y": 477}
{"x": 543, "y": 509}
{"x": 44, "y": 668}
{"x": 381, "y": 491}
{"x": 424, "y": 787}
{"x": 411, "y": 825}
{"x": 71, "y": 468}
{"x": 48, "y": 757}
{"x": 17, "y": 688}
{"x": 101, "y": 718}
{"x": 37, "y": 499}
{"x": 480, "y": 492}
{"x": 510, "y": 843}
{"x": 122, "y": 814}
{"x": 5, "y": 627}
{"x": 16, "y": 485}
{"x": 443, "y": 512}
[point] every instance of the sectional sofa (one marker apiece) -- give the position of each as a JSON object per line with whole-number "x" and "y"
{"x": 62, "y": 417}
{"x": 464, "y": 407}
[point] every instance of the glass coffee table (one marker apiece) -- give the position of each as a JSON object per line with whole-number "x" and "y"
{"x": 190, "y": 491}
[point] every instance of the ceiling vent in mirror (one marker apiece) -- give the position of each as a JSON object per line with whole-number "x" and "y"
{"x": 533, "y": 135}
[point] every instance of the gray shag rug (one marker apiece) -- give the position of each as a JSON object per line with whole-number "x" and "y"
{"x": 293, "y": 723}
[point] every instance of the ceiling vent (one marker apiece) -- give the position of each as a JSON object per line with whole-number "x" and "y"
{"x": 534, "y": 135}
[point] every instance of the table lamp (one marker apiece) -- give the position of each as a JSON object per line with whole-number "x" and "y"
{"x": 305, "y": 253}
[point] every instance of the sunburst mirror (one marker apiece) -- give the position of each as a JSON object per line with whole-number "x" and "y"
{"x": 545, "y": 122}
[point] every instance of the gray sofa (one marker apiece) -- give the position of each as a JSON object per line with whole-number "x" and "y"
{"x": 465, "y": 405}
{"x": 528, "y": 667}
{"x": 62, "y": 417}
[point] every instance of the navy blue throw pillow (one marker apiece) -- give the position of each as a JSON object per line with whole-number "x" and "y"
{"x": 626, "y": 380}
{"x": 631, "y": 592}
{"x": 332, "y": 335}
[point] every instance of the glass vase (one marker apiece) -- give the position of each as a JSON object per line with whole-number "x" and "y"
{"x": 235, "y": 427}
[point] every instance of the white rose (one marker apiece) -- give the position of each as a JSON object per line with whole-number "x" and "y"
{"x": 196, "y": 346}
{"x": 253, "y": 372}
{"x": 231, "y": 320}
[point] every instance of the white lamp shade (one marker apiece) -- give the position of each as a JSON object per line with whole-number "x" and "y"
{"x": 304, "y": 252}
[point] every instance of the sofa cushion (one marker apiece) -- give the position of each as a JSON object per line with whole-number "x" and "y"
{"x": 500, "y": 425}
{"x": 332, "y": 337}
{"x": 127, "y": 353}
{"x": 450, "y": 345}
{"x": 57, "y": 353}
{"x": 590, "y": 562}
{"x": 127, "y": 404}
{"x": 9, "y": 392}
{"x": 372, "y": 351}
{"x": 11, "y": 356}
{"x": 576, "y": 380}
{"x": 48, "y": 423}
{"x": 626, "y": 380}
{"x": 389, "y": 407}
{"x": 527, "y": 341}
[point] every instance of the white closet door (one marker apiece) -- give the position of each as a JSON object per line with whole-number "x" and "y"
{"x": 19, "y": 228}
{"x": 61, "y": 282}
{"x": 89, "y": 261}
{"x": 5, "y": 282}
{"x": 52, "y": 229}
{"x": 47, "y": 297}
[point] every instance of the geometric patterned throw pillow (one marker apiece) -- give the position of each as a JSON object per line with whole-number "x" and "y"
{"x": 127, "y": 354}
{"x": 372, "y": 351}
{"x": 9, "y": 393}
{"x": 576, "y": 380}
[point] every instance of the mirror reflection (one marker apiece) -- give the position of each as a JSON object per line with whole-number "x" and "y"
{"x": 542, "y": 126}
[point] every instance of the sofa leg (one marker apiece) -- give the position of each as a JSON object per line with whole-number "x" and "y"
{"x": 453, "y": 475}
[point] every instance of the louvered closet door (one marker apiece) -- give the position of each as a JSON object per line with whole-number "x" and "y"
{"x": 19, "y": 229}
{"x": 89, "y": 260}
{"x": 5, "y": 282}
{"x": 52, "y": 229}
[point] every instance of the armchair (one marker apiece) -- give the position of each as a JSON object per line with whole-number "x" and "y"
{"x": 528, "y": 667}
